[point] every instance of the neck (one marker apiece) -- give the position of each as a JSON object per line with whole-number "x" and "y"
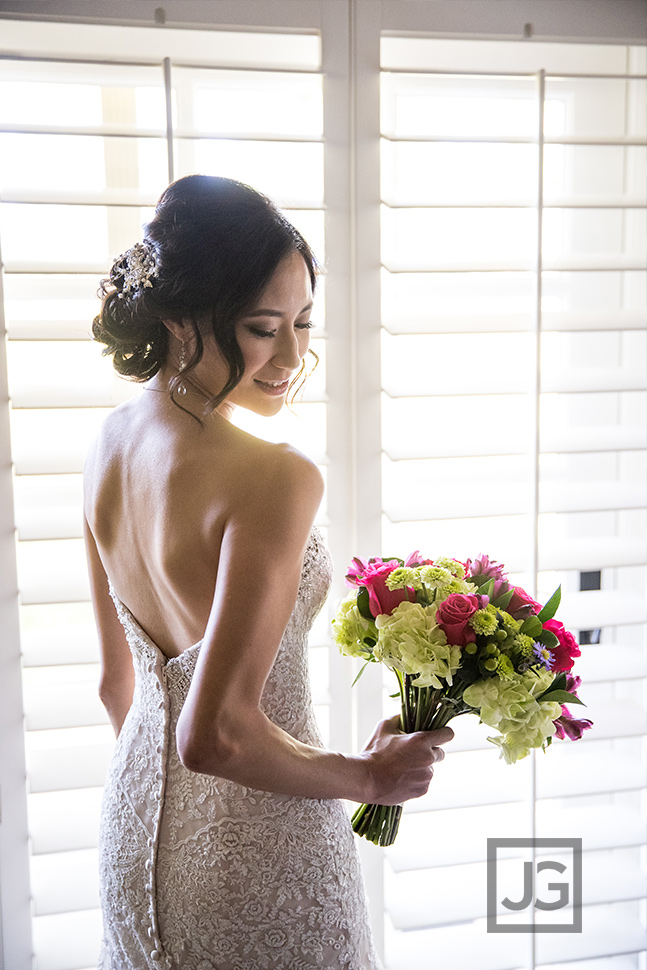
{"x": 188, "y": 392}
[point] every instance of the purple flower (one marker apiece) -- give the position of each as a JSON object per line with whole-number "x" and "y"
{"x": 543, "y": 655}
{"x": 570, "y": 727}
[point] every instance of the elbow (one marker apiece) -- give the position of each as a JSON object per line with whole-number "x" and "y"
{"x": 115, "y": 692}
{"x": 205, "y": 752}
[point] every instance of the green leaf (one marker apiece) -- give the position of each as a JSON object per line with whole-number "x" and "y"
{"x": 532, "y": 627}
{"x": 547, "y": 639}
{"x": 503, "y": 601}
{"x": 551, "y": 607}
{"x": 363, "y": 603}
{"x": 559, "y": 683}
{"x": 561, "y": 696}
{"x": 363, "y": 668}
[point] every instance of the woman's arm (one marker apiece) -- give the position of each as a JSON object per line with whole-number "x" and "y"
{"x": 117, "y": 674}
{"x": 222, "y": 730}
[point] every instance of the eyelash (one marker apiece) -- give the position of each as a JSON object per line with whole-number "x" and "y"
{"x": 270, "y": 333}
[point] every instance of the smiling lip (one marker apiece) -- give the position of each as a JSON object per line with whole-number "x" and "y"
{"x": 273, "y": 388}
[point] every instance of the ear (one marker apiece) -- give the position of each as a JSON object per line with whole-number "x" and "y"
{"x": 182, "y": 329}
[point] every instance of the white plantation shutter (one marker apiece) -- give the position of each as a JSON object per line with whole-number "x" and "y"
{"x": 514, "y": 423}
{"x": 85, "y": 150}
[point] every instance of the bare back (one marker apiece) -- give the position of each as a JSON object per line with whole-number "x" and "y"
{"x": 159, "y": 490}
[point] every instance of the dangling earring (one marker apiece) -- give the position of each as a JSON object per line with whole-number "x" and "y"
{"x": 181, "y": 388}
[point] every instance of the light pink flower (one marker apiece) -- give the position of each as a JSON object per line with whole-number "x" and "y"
{"x": 484, "y": 566}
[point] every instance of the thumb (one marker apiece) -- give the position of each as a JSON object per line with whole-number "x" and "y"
{"x": 393, "y": 725}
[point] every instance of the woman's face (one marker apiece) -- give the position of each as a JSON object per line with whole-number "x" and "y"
{"x": 273, "y": 338}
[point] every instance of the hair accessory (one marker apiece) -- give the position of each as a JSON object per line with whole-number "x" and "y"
{"x": 137, "y": 266}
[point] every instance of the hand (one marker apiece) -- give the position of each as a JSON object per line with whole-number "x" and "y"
{"x": 400, "y": 765}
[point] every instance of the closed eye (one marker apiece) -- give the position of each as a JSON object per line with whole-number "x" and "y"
{"x": 259, "y": 332}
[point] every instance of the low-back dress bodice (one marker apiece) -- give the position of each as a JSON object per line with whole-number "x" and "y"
{"x": 200, "y": 873}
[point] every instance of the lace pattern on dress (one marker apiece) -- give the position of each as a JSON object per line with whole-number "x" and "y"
{"x": 200, "y": 873}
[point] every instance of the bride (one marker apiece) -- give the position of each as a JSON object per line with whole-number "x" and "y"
{"x": 223, "y": 843}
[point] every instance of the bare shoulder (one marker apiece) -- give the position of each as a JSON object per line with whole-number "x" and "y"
{"x": 281, "y": 477}
{"x": 294, "y": 468}
{"x": 277, "y": 493}
{"x": 111, "y": 431}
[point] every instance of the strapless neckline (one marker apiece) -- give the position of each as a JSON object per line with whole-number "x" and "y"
{"x": 141, "y": 632}
{"x": 314, "y": 538}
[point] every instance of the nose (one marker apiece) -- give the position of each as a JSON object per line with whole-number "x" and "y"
{"x": 288, "y": 354}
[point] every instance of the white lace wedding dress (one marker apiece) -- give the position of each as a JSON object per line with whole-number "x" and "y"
{"x": 198, "y": 873}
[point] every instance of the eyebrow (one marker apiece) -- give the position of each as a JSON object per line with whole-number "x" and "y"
{"x": 275, "y": 313}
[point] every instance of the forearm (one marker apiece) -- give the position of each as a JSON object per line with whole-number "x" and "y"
{"x": 261, "y": 755}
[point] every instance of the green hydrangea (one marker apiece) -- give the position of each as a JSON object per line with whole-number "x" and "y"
{"x": 509, "y": 700}
{"x": 485, "y": 621}
{"x": 403, "y": 576}
{"x": 518, "y": 742}
{"x": 410, "y": 641}
{"x": 350, "y": 628}
{"x": 511, "y": 707}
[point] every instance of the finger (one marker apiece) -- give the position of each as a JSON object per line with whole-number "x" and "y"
{"x": 442, "y": 735}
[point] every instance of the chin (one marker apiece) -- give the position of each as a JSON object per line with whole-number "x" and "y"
{"x": 264, "y": 408}
{"x": 270, "y": 408}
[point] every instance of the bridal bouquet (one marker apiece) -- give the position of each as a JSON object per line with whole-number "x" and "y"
{"x": 460, "y": 639}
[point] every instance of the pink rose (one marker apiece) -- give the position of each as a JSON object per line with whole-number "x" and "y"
{"x": 569, "y": 727}
{"x": 453, "y": 618}
{"x": 381, "y": 598}
{"x": 566, "y": 650}
{"x": 521, "y": 605}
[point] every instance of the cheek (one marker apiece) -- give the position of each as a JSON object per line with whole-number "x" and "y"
{"x": 303, "y": 341}
{"x": 255, "y": 353}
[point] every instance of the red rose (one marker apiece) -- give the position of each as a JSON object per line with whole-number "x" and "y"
{"x": 381, "y": 598}
{"x": 521, "y": 605}
{"x": 566, "y": 650}
{"x": 453, "y": 618}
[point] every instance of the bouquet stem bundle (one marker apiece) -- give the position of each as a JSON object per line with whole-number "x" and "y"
{"x": 423, "y": 709}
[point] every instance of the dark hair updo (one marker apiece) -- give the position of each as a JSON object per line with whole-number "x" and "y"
{"x": 215, "y": 243}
